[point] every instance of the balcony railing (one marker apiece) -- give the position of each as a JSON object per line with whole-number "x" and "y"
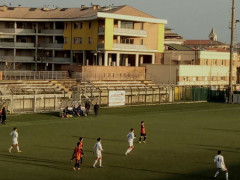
{"x": 129, "y": 46}
{"x": 12, "y": 44}
{"x": 130, "y": 32}
{"x": 17, "y": 58}
{"x": 51, "y": 31}
{"x": 51, "y": 45}
{"x": 19, "y": 31}
{"x": 101, "y": 30}
{"x": 100, "y": 45}
{"x": 58, "y": 60}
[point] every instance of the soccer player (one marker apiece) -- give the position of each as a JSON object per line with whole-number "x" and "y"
{"x": 14, "y": 135}
{"x": 81, "y": 147}
{"x": 77, "y": 153}
{"x": 130, "y": 137}
{"x": 98, "y": 150}
{"x": 143, "y": 133}
{"x": 219, "y": 160}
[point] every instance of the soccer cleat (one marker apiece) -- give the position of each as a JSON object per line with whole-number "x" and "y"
{"x": 144, "y": 142}
{"x": 101, "y": 166}
{"x": 74, "y": 168}
{"x": 79, "y": 168}
{"x": 126, "y": 154}
{"x": 139, "y": 142}
{"x": 94, "y": 166}
{"x": 9, "y": 151}
{"x": 19, "y": 151}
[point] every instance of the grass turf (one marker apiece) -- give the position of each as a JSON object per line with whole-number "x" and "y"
{"x": 182, "y": 142}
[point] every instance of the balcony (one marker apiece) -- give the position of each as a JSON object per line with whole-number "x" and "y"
{"x": 52, "y": 31}
{"x": 13, "y": 44}
{"x": 129, "y": 46}
{"x": 130, "y": 32}
{"x": 51, "y": 46}
{"x": 17, "y": 58}
{"x": 60, "y": 60}
{"x": 101, "y": 31}
{"x": 100, "y": 45}
{"x": 17, "y": 31}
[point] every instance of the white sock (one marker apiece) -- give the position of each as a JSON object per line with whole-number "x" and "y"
{"x": 17, "y": 148}
{"x": 127, "y": 151}
{"x": 10, "y": 149}
{"x": 95, "y": 163}
{"x": 130, "y": 149}
{"x": 216, "y": 174}
{"x": 226, "y": 176}
{"x": 100, "y": 162}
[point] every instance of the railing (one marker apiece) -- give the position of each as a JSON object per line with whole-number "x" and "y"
{"x": 51, "y": 45}
{"x": 24, "y": 58}
{"x": 5, "y": 30}
{"x": 132, "y": 32}
{"x": 100, "y": 45}
{"x": 129, "y": 46}
{"x": 59, "y": 60}
{"x": 34, "y": 75}
{"x": 51, "y": 31}
{"x": 101, "y": 30}
{"x": 17, "y": 44}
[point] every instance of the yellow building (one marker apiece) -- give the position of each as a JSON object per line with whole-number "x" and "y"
{"x": 47, "y": 38}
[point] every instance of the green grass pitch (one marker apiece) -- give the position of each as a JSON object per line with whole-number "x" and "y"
{"x": 181, "y": 145}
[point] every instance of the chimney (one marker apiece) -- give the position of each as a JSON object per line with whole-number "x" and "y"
{"x": 4, "y": 8}
{"x": 82, "y": 6}
{"x": 95, "y": 7}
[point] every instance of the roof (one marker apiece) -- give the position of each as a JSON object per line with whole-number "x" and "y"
{"x": 66, "y": 13}
{"x": 202, "y": 42}
{"x": 179, "y": 47}
{"x": 217, "y": 49}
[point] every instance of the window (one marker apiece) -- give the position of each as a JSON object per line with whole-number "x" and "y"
{"x": 205, "y": 62}
{"x": 65, "y": 26}
{"x": 81, "y": 25}
{"x": 127, "y": 25}
{"x": 75, "y": 26}
{"x": 185, "y": 78}
{"x": 90, "y": 25}
{"x": 141, "y": 26}
{"x": 89, "y": 40}
{"x": 77, "y": 40}
{"x": 65, "y": 40}
{"x": 205, "y": 78}
{"x": 141, "y": 41}
{"x": 214, "y": 62}
{"x": 222, "y": 78}
{"x": 194, "y": 78}
{"x": 127, "y": 41}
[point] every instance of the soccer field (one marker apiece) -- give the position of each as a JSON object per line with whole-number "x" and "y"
{"x": 182, "y": 142}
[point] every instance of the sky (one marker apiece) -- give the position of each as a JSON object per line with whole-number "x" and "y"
{"x": 192, "y": 19}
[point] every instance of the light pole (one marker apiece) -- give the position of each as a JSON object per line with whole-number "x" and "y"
{"x": 231, "y": 53}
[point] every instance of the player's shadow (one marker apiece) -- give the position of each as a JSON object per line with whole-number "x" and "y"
{"x": 216, "y": 148}
{"x": 223, "y": 130}
{"x": 155, "y": 171}
{"x": 104, "y": 139}
{"x": 32, "y": 161}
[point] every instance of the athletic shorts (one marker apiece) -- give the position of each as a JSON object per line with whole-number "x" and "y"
{"x": 143, "y": 134}
{"x": 15, "y": 141}
{"x": 223, "y": 169}
{"x": 130, "y": 143}
{"x": 99, "y": 154}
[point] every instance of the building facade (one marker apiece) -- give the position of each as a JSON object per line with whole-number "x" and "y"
{"x": 46, "y": 39}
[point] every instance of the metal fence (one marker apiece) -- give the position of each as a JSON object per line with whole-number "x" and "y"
{"x": 34, "y": 75}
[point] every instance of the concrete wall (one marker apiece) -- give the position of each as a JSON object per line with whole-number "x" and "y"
{"x": 184, "y": 57}
{"x": 113, "y": 73}
{"x": 162, "y": 74}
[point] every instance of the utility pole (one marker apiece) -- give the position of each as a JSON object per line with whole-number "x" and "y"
{"x": 230, "y": 99}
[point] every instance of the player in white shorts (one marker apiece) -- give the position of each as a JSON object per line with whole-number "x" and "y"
{"x": 14, "y": 135}
{"x": 219, "y": 160}
{"x": 98, "y": 150}
{"x": 130, "y": 137}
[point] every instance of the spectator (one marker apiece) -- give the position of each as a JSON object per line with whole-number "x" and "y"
{"x": 65, "y": 112}
{"x": 79, "y": 110}
{"x": 96, "y": 107}
{"x": 75, "y": 113}
{"x": 3, "y": 115}
{"x": 87, "y": 107}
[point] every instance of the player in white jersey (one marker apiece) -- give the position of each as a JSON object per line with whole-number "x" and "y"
{"x": 98, "y": 150}
{"x": 14, "y": 135}
{"x": 219, "y": 160}
{"x": 130, "y": 137}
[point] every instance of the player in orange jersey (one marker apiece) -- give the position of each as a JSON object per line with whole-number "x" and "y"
{"x": 143, "y": 133}
{"x": 77, "y": 153}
